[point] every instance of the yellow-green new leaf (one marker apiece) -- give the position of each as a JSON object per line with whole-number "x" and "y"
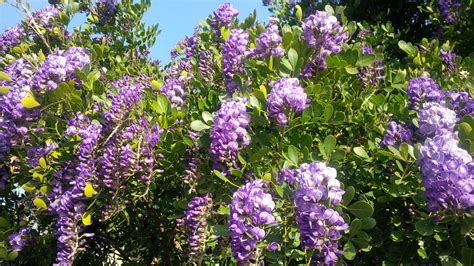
{"x": 87, "y": 218}
{"x": 29, "y": 102}
{"x": 89, "y": 190}
{"x": 40, "y": 203}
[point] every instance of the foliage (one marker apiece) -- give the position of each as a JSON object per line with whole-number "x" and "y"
{"x": 301, "y": 141}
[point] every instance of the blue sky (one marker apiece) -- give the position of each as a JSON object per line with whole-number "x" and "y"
{"x": 176, "y": 18}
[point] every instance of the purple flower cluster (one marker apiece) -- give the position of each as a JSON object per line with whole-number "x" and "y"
{"x": 192, "y": 161}
{"x": 325, "y": 35}
{"x": 450, "y": 10}
{"x": 319, "y": 225}
{"x": 286, "y": 96}
{"x": 19, "y": 239}
{"x": 421, "y": 90}
{"x": 44, "y": 17}
{"x": 35, "y": 153}
{"x": 435, "y": 119}
{"x": 195, "y": 225}
{"x": 106, "y": 10}
{"x": 191, "y": 43}
{"x": 15, "y": 119}
{"x": 250, "y": 211}
{"x": 11, "y": 37}
{"x": 397, "y": 134}
{"x": 223, "y": 16}
{"x": 448, "y": 171}
{"x": 232, "y": 57}
{"x": 130, "y": 92}
{"x": 175, "y": 91}
{"x": 449, "y": 60}
{"x": 460, "y": 102}
{"x": 228, "y": 133}
{"x": 207, "y": 61}
{"x": 60, "y": 67}
{"x": 268, "y": 43}
{"x": 373, "y": 74}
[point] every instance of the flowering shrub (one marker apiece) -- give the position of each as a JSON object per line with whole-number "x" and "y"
{"x": 316, "y": 138}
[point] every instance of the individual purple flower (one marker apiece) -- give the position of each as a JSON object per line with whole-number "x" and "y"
{"x": 195, "y": 225}
{"x": 19, "y": 239}
{"x": 223, "y": 17}
{"x": 460, "y": 102}
{"x": 434, "y": 118}
{"x": 60, "y": 66}
{"x": 250, "y": 212}
{"x": 318, "y": 224}
{"x": 232, "y": 57}
{"x": 447, "y": 170}
{"x": 449, "y": 60}
{"x": 373, "y": 74}
{"x": 450, "y": 10}
{"x": 397, "y": 134}
{"x": 229, "y": 134}
{"x": 130, "y": 92}
{"x": 268, "y": 43}
{"x": 11, "y": 37}
{"x": 44, "y": 18}
{"x": 286, "y": 96}
{"x": 325, "y": 35}
{"x": 422, "y": 90}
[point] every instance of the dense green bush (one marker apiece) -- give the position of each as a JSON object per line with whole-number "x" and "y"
{"x": 328, "y": 134}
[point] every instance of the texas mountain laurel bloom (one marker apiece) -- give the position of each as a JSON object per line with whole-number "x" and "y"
{"x": 11, "y": 37}
{"x": 250, "y": 211}
{"x": 232, "y": 57}
{"x": 397, "y": 134}
{"x": 435, "y": 119}
{"x": 59, "y": 67}
{"x": 229, "y": 133}
{"x": 323, "y": 33}
{"x": 319, "y": 225}
{"x": 286, "y": 96}
{"x": 422, "y": 90}
{"x": 195, "y": 225}
{"x": 223, "y": 16}
{"x": 373, "y": 74}
{"x": 269, "y": 43}
{"x": 44, "y": 18}
{"x": 450, "y": 10}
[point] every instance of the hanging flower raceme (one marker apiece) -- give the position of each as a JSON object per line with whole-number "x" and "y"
{"x": 20, "y": 239}
{"x": 460, "y": 102}
{"x": 450, "y": 10}
{"x": 192, "y": 161}
{"x": 106, "y": 10}
{"x": 449, "y": 60}
{"x": 325, "y": 35}
{"x": 397, "y": 134}
{"x": 175, "y": 91}
{"x": 60, "y": 66}
{"x": 194, "y": 225}
{"x": 373, "y": 74}
{"x": 232, "y": 57}
{"x": 250, "y": 212}
{"x": 35, "y": 153}
{"x": 130, "y": 91}
{"x": 223, "y": 17}
{"x": 191, "y": 43}
{"x": 422, "y": 90}
{"x": 435, "y": 119}
{"x": 43, "y": 18}
{"x": 11, "y": 37}
{"x": 229, "y": 134}
{"x": 207, "y": 61}
{"x": 319, "y": 225}
{"x": 268, "y": 43}
{"x": 447, "y": 170}
{"x": 286, "y": 96}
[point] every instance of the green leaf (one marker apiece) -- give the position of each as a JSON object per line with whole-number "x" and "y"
{"x": 221, "y": 230}
{"x": 207, "y": 117}
{"x": 293, "y": 58}
{"x": 467, "y": 255}
{"x": 424, "y": 227}
{"x": 449, "y": 261}
{"x": 408, "y": 48}
{"x": 365, "y": 60}
{"x": 464, "y": 130}
{"x": 4, "y": 224}
{"x": 12, "y": 255}
{"x": 29, "y": 102}
{"x": 161, "y": 105}
{"x": 355, "y": 226}
{"x": 89, "y": 190}
{"x": 351, "y": 70}
{"x": 39, "y": 202}
{"x": 292, "y": 154}
{"x": 5, "y": 76}
{"x": 368, "y": 223}
{"x": 329, "y": 145}
{"x": 349, "y": 251}
{"x": 360, "y": 151}
{"x": 298, "y": 12}
{"x": 156, "y": 84}
{"x": 361, "y": 209}
{"x": 198, "y": 125}
{"x": 223, "y": 177}
{"x": 87, "y": 218}
{"x": 4, "y": 90}
{"x": 349, "y": 195}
